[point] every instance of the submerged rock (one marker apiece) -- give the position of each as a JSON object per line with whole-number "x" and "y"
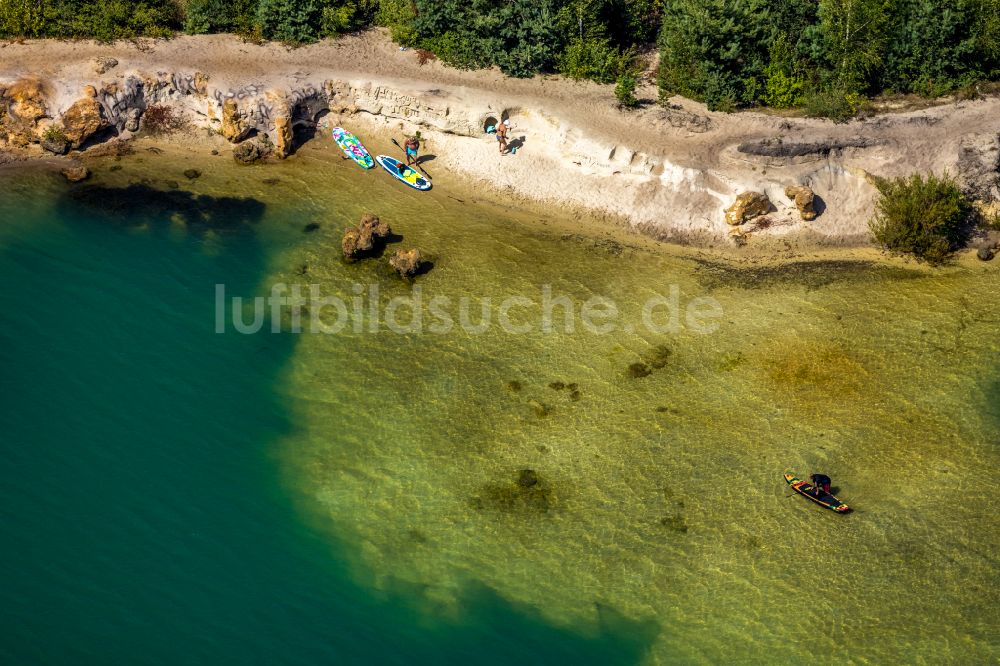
{"x": 528, "y": 494}
{"x": 638, "y": 370}
{"x": 747, "y": 206}
{"x": 192, "y": 174}
{"x": 75, "y": 174}
{"x": 804, "y": 200}
{"x": 249, "y": 152}
{"x": 408, "y": 263}
{"x": 312, "y": 226}
{"x": 527, "y": 478}
{"x": 659, "y": 356}
{"x": 541, "y": 410}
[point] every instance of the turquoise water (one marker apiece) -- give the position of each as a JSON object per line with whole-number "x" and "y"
{"x": 145, "y": 517}
{"x": 173, "y": 495}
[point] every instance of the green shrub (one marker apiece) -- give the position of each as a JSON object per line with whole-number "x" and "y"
{"x": 397, "y": 15}
{"x": 926, "y": 217}
{"x": 625, "y": 90}
{"x": 55, "y": 133}
{"x": 454, "y": 50}
{"x": 835, "y": 105}
{"x": 290, "y": 21}
{"x": 594, "y": 59}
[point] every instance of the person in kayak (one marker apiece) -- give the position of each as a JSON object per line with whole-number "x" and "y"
{"x": 412, "y": 145}
{"x": 822, "y": 483}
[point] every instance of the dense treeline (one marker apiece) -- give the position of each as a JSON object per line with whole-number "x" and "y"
{"x": 825, "y": 55}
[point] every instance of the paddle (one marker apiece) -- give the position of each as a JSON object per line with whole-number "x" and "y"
{"x": 417, "y": 164}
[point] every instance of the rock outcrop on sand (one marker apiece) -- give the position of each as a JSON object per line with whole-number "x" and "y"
{"x": 408, "y": 263}
{"x": 24, "y": 105}
{"x": 104, "y": 63}
{"x": 804, "y": 200}
{"x": 82, "y": 120}
{"x": 367, "y": 238}
{"x": 234, "y": 127}
{"x": 747, "y": 206}
{"x": 283, "y": 136}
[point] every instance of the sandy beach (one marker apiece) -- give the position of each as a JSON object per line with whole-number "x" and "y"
{"x": 669, "y": 171}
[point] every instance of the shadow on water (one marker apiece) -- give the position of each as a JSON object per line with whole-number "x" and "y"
{"x": 149, "y": 487}
{"x": 140, "y": 204}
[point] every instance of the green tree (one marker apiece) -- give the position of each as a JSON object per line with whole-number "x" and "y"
{"x": 855, "y": 34}
{"x": 22, "y": 18}
{"x": 714, "y": 50}
{"x": 293, "y": 21}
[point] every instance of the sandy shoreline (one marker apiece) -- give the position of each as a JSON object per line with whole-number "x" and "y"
{"x": 668, "y": 171}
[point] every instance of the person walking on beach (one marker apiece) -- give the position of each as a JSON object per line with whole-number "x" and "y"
{"x": 412, "y": 145}
{"x": 502, "y": 136}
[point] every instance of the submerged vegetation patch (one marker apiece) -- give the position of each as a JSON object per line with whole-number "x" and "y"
{"x": 805, "y": 367}
{"x": 527, "y": 493}
{"x": 809, "y": 274}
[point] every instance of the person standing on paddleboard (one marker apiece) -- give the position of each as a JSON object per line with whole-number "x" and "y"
{"x": 412, "y": 145}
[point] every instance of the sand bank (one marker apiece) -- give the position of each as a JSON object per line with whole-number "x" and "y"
{"x": 668, "y": 170}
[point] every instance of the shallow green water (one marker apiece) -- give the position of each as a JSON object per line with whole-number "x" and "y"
{"x": 357, "y": 495}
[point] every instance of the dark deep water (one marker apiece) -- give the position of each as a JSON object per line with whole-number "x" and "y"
{"x": 144, "y": 519}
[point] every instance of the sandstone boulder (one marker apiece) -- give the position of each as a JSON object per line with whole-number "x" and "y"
{"x": 372, "y": 230}
{"x": 747, "y": 206}
{"x": 283, "y": 136}
{"x": 407, "y": 263}
{"x": 82, "y": 120}
{"x": 804, "y": 199}
{"x": 349, "y": 244}
{"x": 369, "y": 236}
{"x": 132, "y": 120}
{"x": 25, "y": 106}
{"x": 75, "y": 174}
{"x": 201, "y": 83}
{"x": 235, "y": 127}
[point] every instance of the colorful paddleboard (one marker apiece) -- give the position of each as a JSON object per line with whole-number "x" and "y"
{"x": 807, "y": 489}
{"x": 352, "y": 147}
{"x": 408, "y": 175}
